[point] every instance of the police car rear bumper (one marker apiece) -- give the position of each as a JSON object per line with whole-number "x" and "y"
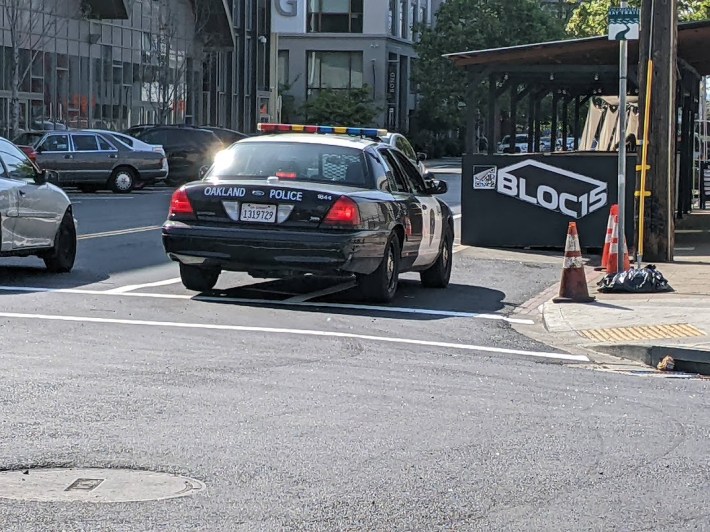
{"x": 275, "y": 251}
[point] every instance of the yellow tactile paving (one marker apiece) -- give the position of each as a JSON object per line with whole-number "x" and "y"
{"x": 645, "y": 332}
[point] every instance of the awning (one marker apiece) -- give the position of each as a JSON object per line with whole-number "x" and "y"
{"x": 693, "y": 40}
{"x": 215, "y": 17}
{"x": 105, "y": 9}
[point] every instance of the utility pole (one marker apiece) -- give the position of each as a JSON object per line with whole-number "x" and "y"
{"x": 659, "y": 36}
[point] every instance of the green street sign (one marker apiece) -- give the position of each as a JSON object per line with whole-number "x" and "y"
{"x": 623, "y": 23}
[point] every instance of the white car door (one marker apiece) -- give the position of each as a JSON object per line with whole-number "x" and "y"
{"x": 37, "y": 218}
{"x": 432, "y": 215}
{"x": 9, "y": 209}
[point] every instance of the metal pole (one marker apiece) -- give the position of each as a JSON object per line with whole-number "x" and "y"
{"x": 621, "y": 183}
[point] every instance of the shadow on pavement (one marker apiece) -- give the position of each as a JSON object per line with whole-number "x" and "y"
{"x": 410, "y": 296}
{"x": 28, "y": 276}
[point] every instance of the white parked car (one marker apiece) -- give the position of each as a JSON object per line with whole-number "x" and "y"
{"x": 36, "y": 217}
{"x": 521, "y": 144}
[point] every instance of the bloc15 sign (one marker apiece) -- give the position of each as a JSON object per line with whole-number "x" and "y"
{"x": 623, "y": 23}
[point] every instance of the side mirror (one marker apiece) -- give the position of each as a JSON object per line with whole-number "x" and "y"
{"x": 47, "y": 176}
{"x": 437, "y": 186}
{"x": 41, "y": 177}
{"x": 421, "y": 156}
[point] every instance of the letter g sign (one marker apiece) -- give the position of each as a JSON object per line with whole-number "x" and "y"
{"x": 291, "y": 9}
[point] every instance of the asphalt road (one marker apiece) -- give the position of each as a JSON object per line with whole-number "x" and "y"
{"x": 324, "y": 413}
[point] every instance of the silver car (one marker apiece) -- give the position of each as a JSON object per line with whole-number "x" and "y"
{"x": 35, "y": 216}
{"x": 92, "y": 161}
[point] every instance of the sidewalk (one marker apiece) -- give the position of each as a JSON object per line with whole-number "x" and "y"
{"x": 639, "y": 327}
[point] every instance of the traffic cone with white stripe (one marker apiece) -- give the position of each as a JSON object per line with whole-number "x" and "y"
{"x": 613, "y": 213}
{"x": 612, "y": 262}
{"x": 573, "y": 287}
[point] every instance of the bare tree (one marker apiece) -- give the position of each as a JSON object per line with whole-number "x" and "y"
{"x": 166, "y": 64}
{"x": 32, "y": 23}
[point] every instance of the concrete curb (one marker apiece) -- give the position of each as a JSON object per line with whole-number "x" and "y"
{"x": 686, "y": 360}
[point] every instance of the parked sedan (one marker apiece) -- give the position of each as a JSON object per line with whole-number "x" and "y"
{"x": 227, "y": 136}
{"x": 35, "y": 216}
{"x": 135, "y": 145}
{"x": 92, "y": 161}
{"x": 309, "y": 200}
{"x": 190, "y": 150}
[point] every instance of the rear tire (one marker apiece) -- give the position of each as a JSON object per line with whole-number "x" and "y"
{"x": 439, "y": 273}
{"x": 122, "y": 180}
{"x": 61, "y": 258}
{"x": 381, "y": 285}
{"x": 198, "y": 278}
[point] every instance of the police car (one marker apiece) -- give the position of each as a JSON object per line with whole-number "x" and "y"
{"x": 312, "y": 200}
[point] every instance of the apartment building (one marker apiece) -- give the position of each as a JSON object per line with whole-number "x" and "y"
{"x": 117, "y": 63}
{"x": 344, "y": 44}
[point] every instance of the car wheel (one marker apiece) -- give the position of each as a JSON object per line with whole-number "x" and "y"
{"x": 439, "y": 274}
{"x": 61, "y": 257}
{"x": 88, "y": 189}
{"x": 122, "y": 180}
{"x": 381, "y": 285}
{"x": 198, "y": 278}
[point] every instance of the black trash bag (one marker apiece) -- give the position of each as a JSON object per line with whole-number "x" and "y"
{"x": 642, "y": 280}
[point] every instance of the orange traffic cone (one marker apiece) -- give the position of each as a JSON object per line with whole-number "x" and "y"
{"x": 613, "y": 212}
{"x": 573, "y": 287}
{"x": 613, "y": 259}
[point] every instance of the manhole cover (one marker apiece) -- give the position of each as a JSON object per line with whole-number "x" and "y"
{"x": 94, "y": 485}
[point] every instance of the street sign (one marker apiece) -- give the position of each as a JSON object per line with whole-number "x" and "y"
{"x": 623, "y": 24}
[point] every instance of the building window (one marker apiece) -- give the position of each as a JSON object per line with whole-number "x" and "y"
{"x": 334, "y": 70}
{"x": 403, "y": 25}
{"x": 283, "y": 67}
{"x": 391, "y": 19}
{"x": 335, "y": 16}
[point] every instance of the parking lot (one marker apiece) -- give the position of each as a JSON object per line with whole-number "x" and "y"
{"x": 293, "y": 404}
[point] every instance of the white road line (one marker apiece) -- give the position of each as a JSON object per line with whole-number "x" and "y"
{"x": 132, "y": 287}
{"x": 246, "y": 301}
{"x": 689, "y": 248}
{"x": 299, "y": 332}
{"x": 119, "y": 232}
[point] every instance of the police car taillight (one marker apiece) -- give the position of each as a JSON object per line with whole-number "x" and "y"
{"x": 180, "y": 206}
{"x": 344, "y": 212}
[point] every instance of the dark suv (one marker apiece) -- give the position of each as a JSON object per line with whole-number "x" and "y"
{"x": 188, "y": 149}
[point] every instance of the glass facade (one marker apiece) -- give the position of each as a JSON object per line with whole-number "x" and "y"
{"x": 151, "y": 67}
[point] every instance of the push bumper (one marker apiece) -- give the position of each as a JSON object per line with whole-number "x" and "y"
{"x": 276, "y": 252}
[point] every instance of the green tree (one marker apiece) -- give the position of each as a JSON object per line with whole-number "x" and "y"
{"x": 352, "y": 107}
{"x": 469, "y": 25}
{"x": 590, "y": 17}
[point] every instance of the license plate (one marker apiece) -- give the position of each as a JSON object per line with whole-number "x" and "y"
{"x": 257, "y": 212}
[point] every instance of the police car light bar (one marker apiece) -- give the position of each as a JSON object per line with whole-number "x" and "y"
{"x": 323, "y": 130}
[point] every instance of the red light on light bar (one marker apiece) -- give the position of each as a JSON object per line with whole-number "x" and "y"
{"x": 286, "y": 175}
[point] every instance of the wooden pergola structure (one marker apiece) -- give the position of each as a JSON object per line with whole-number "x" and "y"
{"x": 572, "y": 72}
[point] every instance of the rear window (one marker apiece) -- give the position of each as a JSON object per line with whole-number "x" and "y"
{"x": 319, "y": 163}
